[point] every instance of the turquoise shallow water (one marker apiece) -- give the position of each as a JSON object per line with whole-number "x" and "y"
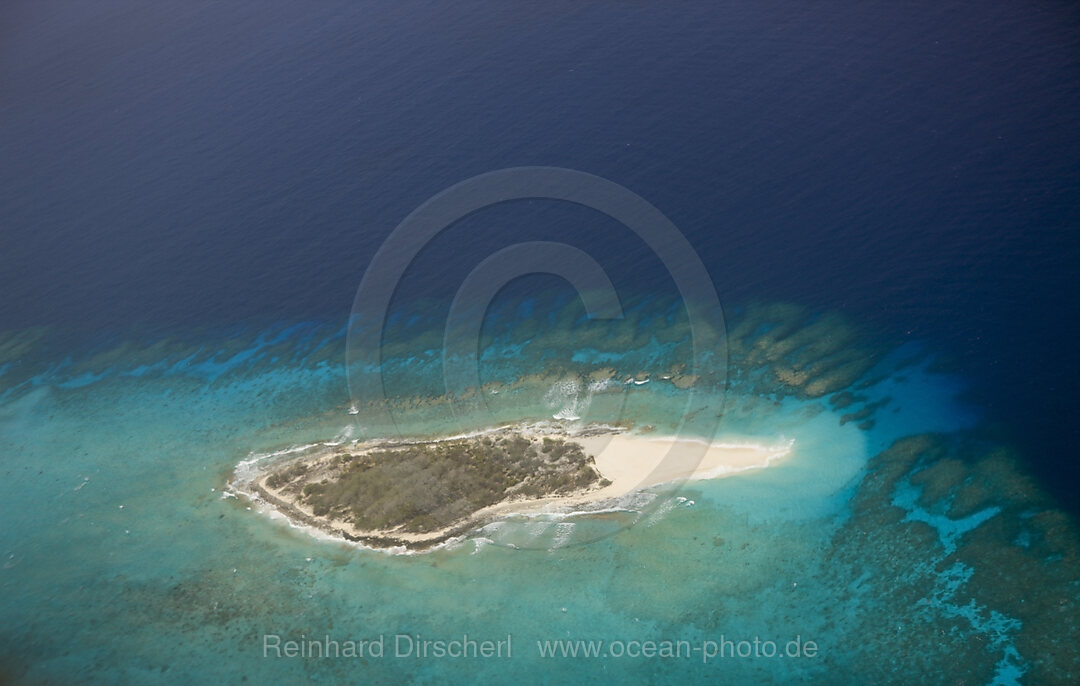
{"x": 896, "y": 538}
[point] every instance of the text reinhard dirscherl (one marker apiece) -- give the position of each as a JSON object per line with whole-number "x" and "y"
{"x": 410, "y": 646}
{"x": 396, "y": 646}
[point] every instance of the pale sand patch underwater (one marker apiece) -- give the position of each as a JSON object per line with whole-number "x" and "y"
{"x": 627, "y": 462}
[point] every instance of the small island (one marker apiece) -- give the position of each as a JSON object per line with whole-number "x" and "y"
{"x": 417, "y": 494}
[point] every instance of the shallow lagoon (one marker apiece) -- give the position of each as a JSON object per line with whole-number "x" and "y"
{"x": 896, "y": 537}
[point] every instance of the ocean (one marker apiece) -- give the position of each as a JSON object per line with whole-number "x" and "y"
{"x": 883, "y": 199}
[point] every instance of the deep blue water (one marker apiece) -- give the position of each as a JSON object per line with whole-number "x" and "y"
{"x": 917, "y": 166}
{"x": 169, "y": 168}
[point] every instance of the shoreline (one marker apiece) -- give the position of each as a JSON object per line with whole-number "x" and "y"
{"x": 631, "y": 462}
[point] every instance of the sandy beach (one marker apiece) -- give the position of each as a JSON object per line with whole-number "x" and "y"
{"x": 633, "y": 462}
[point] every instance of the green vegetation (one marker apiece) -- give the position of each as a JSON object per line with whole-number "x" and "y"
{"x": 425, "y": 487}
{"x": 283, "y": 477}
